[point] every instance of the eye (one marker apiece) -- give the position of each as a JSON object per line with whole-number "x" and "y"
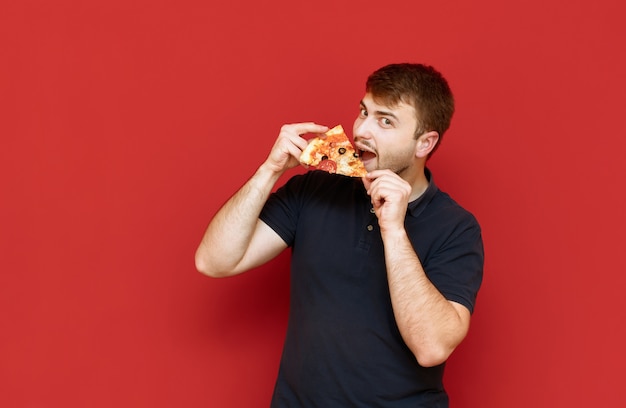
{"x": 363, "y": 112}
{"x": 385, "y": 122}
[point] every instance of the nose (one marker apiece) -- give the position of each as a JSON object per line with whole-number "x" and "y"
{"x": 362, "y": 128}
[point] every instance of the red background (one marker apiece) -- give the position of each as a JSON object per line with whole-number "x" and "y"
{"x": 119, "y": 120}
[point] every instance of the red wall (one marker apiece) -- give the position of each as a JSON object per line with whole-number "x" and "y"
{"x": 126, "y": 124}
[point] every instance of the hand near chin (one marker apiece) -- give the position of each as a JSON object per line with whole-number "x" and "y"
{"x": 390, "y": 197}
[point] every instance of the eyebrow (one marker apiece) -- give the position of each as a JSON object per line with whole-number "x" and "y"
{"x": 380, "y": 112}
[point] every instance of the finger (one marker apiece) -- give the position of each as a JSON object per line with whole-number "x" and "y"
{"x": 299, "y": 143}
{"x": 376, "y": 178}
{"x": 306, "y": 127}
{"x": 392, "y": 189}
{"x": 367, "y": 183}
{"x": 295, "y": 148}
{"x": 370, "y": 178}
{"x": 289, "y": 137}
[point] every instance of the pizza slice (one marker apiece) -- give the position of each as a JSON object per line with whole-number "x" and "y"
{"x": 333, "y": 153}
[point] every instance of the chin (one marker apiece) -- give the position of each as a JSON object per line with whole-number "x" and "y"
{"x": 370, "y": 167}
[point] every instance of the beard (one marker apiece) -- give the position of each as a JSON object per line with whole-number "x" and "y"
{"x": 398, "y": 162}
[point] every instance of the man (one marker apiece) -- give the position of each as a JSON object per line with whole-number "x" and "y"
{"x": 384, "y": 270}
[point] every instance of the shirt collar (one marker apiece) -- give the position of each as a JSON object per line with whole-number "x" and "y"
{"x": 418, "y": 205}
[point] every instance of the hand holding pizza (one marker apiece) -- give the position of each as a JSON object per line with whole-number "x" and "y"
{"x": 289, "y": 145}
{"x": 390, "y": 198}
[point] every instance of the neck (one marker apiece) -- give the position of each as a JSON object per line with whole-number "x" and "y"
{"x": 418, "y": 182}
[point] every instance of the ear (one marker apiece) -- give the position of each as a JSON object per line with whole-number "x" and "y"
{"x": 426, "y": 142}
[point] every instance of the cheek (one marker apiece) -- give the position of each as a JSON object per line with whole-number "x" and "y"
{"x": 395, "y": 153}
{"x": 357, "y": 124}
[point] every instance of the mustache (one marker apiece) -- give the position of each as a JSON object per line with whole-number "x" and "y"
{"x": 364, "y": 145}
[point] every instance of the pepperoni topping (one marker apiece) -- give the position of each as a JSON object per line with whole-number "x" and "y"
{"x": 328, "y": 165}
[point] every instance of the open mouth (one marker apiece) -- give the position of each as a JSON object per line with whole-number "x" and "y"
{"x": 365, "y": 152}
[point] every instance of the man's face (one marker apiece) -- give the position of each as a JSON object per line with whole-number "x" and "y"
{"x": 385, "y": 136}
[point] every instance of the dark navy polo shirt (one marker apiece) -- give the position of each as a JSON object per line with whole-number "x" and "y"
{"x": 343, "y": 347}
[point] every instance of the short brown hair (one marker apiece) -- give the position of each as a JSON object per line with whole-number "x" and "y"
{"x": 419, "y": 85}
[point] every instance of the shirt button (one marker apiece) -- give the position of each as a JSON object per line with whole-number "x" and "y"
{"x": 372, "y": 210}
{"x": 370, "y": 228}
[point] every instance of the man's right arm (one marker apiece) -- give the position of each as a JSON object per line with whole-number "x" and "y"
{"x": 236, "y": 240}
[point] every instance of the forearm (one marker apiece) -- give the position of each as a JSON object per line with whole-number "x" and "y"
{"x": 430, "y": 325}
{"x": 229, "y": 234}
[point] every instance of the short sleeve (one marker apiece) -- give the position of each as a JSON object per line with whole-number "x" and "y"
{"x": 456, "y": 267}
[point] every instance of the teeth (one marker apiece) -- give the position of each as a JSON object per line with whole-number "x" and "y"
{"x": 362, "y": 150}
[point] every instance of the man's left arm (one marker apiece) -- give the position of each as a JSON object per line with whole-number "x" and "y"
{"x": 431, "y": 326}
